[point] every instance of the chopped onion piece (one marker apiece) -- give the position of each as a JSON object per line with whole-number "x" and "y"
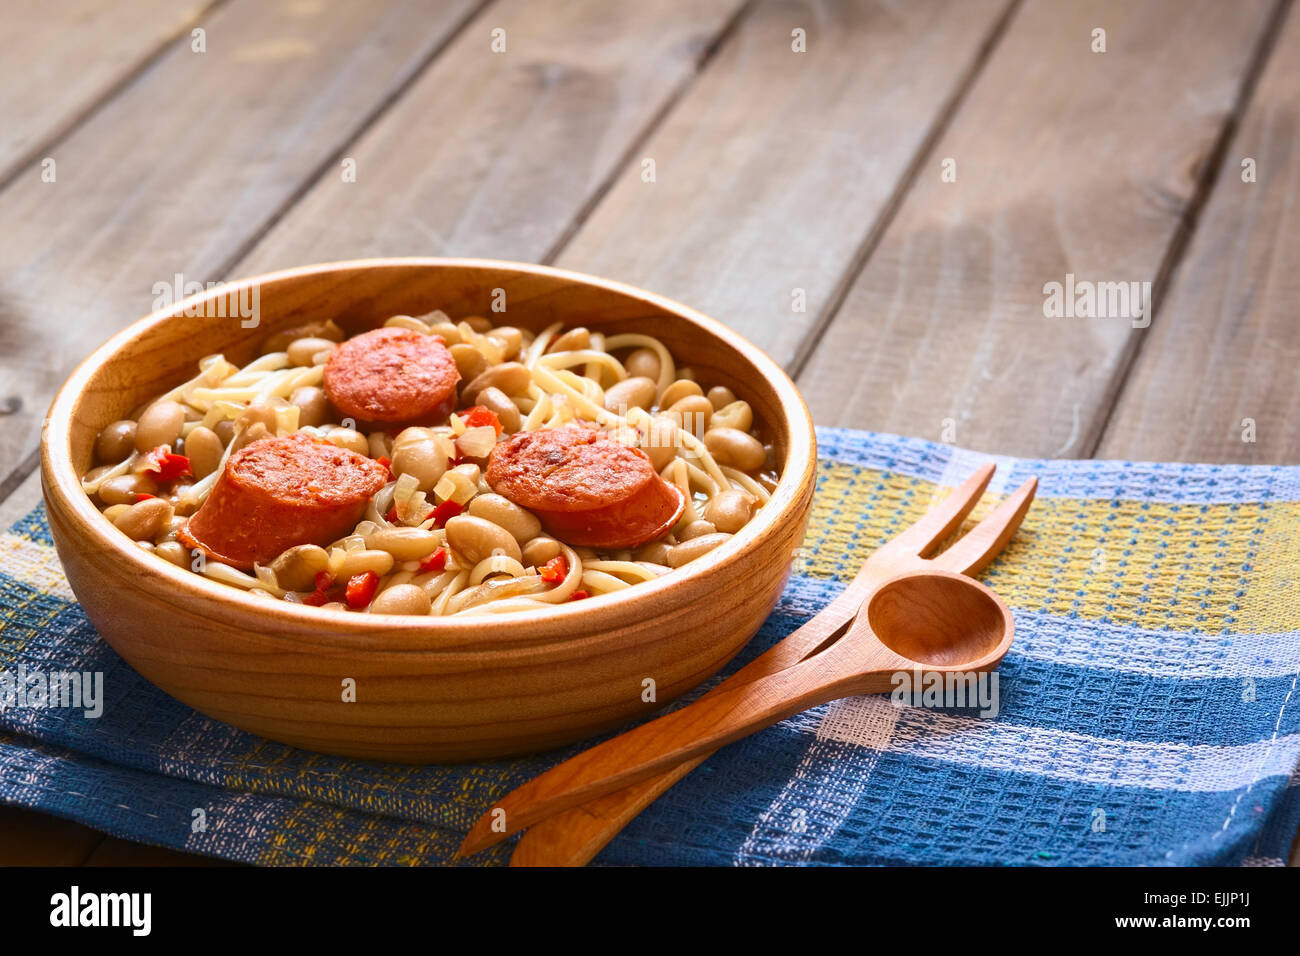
{"x": 477, "y": 442}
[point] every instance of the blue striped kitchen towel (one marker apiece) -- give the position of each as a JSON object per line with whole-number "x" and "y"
{"x": 1146, "y": 712}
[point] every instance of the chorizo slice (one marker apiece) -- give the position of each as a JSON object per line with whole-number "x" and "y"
{"x": 392, "y": 378}
{"x": 279, "y": 492}
{"x": 585, "y": 487}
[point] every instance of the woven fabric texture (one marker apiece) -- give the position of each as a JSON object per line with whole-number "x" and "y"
{"x": 1148, "y": 711}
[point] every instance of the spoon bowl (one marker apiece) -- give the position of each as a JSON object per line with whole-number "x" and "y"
{"x": 940, "y": 619}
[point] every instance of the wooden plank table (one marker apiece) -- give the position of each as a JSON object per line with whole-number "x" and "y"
{"x": 880, "y": 206}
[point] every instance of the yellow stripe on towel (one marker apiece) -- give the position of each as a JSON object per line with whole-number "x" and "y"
{"x": 1185, "y": 566}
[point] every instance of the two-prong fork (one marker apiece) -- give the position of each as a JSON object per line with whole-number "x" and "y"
{"x": 852, "y": 646}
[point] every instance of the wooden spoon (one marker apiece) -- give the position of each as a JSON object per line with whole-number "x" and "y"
{"x": 919, "y": 622}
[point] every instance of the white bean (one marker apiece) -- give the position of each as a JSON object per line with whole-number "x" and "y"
{"x": 123, "y": 489}
{"x": 116, "y": 441}
{"x": 510, "y": 377}
{"x": 469, "y": 361}
{"x": 574, "y": 340}
{"x": 160, "y": 424}
{"x": 636, "y": 392}
{"x": 506, "y": 411}
{"x": 203, "y": 448}
{"x": 404, "y": 544}
{"x": 504, "y": 513}
{"x": 730, "y": 510}
{"x": 737, "y": 415}
{"x": 677, "y": 391}
{"x": 348, "y": 438}
{"x": 475, "y": 538}
{"x": 696, "y": 529}
{"x": 731, "y": 446}
{"x": 720, "y": 396}
{"x": 643, "y": 363}
{"x": 679, "y": 554}
{"x": 313, "y": 405}
{"x": 540, "y": 550}
{"x": 144, "y": 520}
{"x": 296, "y": 568}
{"x": 409, "y": 599}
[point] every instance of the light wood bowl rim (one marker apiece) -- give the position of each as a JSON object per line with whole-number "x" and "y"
{"x": 287, "y": 622}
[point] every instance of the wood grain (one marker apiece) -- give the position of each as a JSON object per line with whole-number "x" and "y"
{"x": 1225, "y": 346}
{"x": 28, "y": 838}
{"x": 25, "y": 496}
{"x": 772, "y": 171}
{"x": 182, "y": 170}
{"x": 1067, "y": 161}
{"x": 495, "y": 154}
{"x": 58, "y": 59}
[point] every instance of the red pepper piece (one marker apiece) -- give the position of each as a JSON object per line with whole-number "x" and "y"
{"x": 166, "y": 466}
{"x": 435, "y": 562}
{"x": 325, "y": 590}
{"x": 445, "y": 512}
{"x": 478, "y": 416}
{"x": 361, "y": 589}
{"x": 556, "y": 569}
{"x": 578, "y": 595}
{"x": 142, "y": 495}
{"x": 387, "y": 463}
{"x": 391, "y": 515}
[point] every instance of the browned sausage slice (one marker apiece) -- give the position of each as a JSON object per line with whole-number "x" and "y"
{"x": 392, "y": 378}
{"x": 585, "y": 487}
{"x": 279, "y": 492}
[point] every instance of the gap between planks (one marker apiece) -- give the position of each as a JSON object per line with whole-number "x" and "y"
{"x": 111, "y": 90}
{"x": 642, "y": 137}
{"x": 1182, "y": 239}
{"x": 369, "y": 120}
{"x": 31, "y": 461}
{"x": 943, "y": 119}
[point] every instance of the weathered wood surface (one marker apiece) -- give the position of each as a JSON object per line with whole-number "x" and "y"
{"x": 1067, "y": 161}
{"x": 28, "y": 838}
{"x": 182, "y": 170}
{"x": 1221, "y": 361}
{"x": 58, "y": 60}
{"x": 775, "y": 171}
{"x": 772, "y": 174}
{"x": 496, "y": 154}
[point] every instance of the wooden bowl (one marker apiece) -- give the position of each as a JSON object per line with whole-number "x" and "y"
{"x": 426, "y": 689}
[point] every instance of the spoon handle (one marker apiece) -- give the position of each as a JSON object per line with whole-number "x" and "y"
{"x": 573, "y": 837}
{"x": 693, "y": 731}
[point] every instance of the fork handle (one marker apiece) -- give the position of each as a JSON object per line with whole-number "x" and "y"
{"x": 693, "y": 731}
{"x": 575, "y": 836}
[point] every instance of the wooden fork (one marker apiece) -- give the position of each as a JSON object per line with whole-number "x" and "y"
{"x": 568, "y": 829}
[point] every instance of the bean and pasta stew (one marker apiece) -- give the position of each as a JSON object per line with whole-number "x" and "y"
{"x": 433, "y": 466}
